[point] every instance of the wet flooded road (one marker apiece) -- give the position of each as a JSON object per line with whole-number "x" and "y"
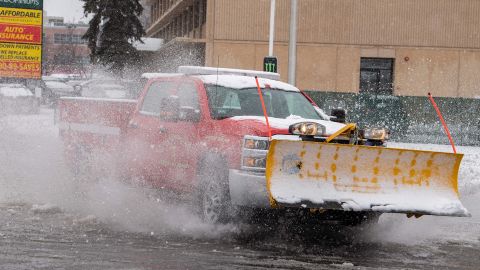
{"x": 49, "y": 239}
{"x": 43, "y": 225}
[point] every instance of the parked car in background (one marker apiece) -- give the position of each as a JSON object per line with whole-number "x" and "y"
{"x": 104, "y": 88}
{"x": 54, "y": 88}
{"x": 75, "y": 82}
{"x": 18, "y": 99}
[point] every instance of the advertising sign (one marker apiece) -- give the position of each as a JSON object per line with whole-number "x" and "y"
{"x": 20, "y": 33}
{"x": 30, "y": 4}
{"x": 21, "y": 16}
{"x": 21, "y": 38}
{"x": 20, "y": 60}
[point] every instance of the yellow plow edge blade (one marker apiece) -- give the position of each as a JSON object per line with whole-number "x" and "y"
{"x": 363, "y": 178}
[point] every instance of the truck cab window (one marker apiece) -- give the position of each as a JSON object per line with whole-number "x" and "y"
{"x": 225, "y": 102}
{"x": 155, "y": 94}
{"x": 188, "y": 95}
{"x": 232, "y": 101}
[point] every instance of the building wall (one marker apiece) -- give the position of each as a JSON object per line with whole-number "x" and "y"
{"x": 435, "y": 43}
{"x": 417, "y": 23}
{"x": 440, "y": 39}
{"x": 64, "y": 56}
{"x": 327, "y": 68}
{"x": 176, "y": 18}
{"x": 443, "y": 72}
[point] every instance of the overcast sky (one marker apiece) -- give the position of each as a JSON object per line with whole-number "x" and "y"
{"x": 71, "y": 10}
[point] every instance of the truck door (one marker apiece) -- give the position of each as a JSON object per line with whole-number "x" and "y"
{"x": 183, "y": 139}
{"x": 147, "y": 136}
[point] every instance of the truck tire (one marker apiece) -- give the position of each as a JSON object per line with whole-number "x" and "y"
{"x": 213, "y": 191}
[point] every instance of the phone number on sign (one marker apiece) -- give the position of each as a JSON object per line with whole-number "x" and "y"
{"x": 19, "y": 66}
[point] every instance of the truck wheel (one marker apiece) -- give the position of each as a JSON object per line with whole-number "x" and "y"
{"x": 214, "y": 197}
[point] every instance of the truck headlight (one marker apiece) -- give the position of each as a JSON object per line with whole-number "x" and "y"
{"x": 254, "y": 153}
{"x": 307, "y": 129}
{"x": 255, "y": 162}
{"x": 255, "y": 143}
{"x": 376, "y": 134}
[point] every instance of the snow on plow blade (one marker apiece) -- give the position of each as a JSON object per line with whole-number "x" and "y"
{"x": 363, "y": 178}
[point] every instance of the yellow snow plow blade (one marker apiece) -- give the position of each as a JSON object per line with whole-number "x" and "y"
{"x": 363, "y": 178}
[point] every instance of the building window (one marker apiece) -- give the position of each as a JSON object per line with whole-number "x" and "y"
{"x": 68, "y": 39}
{"x": 58, "y": 38}
{"x": 376, "y": 76}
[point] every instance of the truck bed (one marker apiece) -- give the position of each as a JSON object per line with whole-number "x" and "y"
{"x": 92, "y": 119}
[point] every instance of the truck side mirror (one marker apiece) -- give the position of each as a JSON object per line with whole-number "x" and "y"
{"x": 170, "y": 108}
{"x": 189, "y": 114}
{"x": 338, "y": 115}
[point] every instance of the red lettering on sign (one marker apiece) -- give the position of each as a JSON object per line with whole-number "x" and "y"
{"x": 20, "y": 34}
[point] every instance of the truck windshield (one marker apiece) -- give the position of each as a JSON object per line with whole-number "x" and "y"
{"x": 225, "y": 102}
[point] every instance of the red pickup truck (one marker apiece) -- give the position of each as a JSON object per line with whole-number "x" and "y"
{"x": 202, "y": 134}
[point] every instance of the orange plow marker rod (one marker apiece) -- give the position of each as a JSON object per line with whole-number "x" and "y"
{"x": 264, "y": 108}
{"x": 445, "y": 127}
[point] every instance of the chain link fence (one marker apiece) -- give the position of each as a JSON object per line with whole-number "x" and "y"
{"x": 409, "y": 119}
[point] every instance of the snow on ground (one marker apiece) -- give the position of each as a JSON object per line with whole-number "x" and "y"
{"x": 14, "y": 90}
{"x": 41, "y": 125}
{"x": 398, "y": 228}
{"x": 30, "y": 162}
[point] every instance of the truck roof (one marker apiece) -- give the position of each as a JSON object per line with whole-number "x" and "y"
{"x": 228, "y": 77}
{"x": 153, "y": 75}
{"x": 241, "y": 82}
{"x": 232, "y": 81}
{"x": 200, "y": 70}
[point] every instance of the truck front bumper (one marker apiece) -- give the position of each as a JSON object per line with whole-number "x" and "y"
{"x": 248, "y": 189}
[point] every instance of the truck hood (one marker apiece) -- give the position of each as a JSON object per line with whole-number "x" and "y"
{"x": 280, "y": 125}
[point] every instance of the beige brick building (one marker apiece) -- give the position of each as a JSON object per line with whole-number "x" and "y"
{"x": 404, "y": 47}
